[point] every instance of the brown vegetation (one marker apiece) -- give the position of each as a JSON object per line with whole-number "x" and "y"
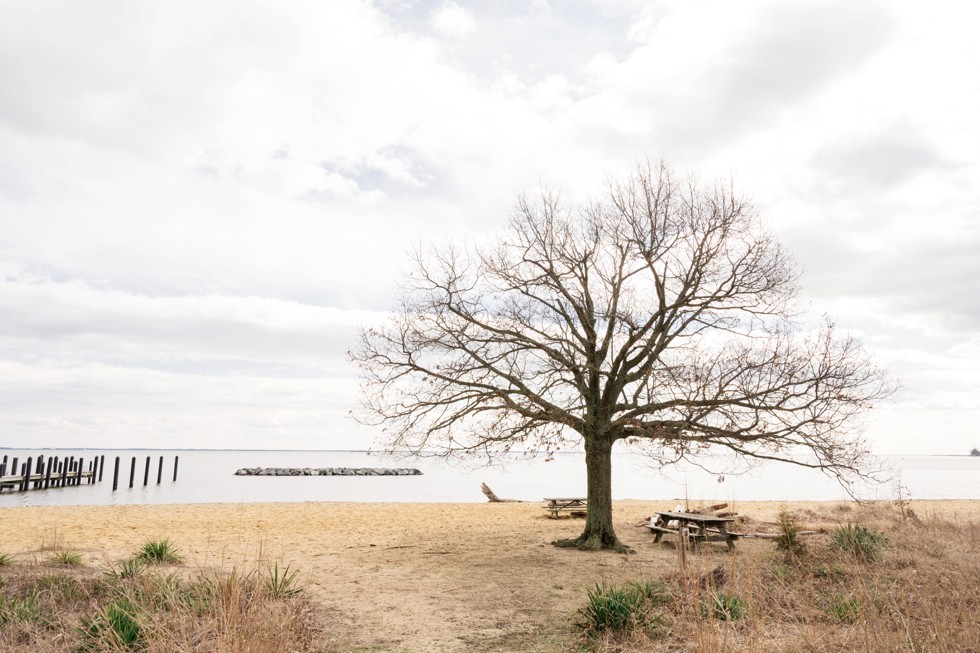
{"x": 490, "y": 581}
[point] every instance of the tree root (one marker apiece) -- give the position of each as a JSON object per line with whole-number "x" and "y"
{"x": 593, "y": 543}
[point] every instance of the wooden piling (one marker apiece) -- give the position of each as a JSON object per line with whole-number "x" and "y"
{"x": 176, "y": 459}
{"x": 48, "y": 471}
{"x": 26, "y": 483}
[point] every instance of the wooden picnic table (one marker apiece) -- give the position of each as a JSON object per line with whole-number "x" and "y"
{"x": 558, "y": 504}
{"x": 699, "y": 528}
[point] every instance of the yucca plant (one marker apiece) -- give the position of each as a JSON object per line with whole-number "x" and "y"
{"x": 132, "y": 568}
{"x": 66, "y": 558}
{"x": 617, "y": 610}
{"x": 159, "y": 552}
{"x": 282, "y": 585}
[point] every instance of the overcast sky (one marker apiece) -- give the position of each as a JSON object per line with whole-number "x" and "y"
{"x": 201, "y": 200}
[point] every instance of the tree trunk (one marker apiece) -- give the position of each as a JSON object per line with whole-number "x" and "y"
{"x": 598, "y": 533}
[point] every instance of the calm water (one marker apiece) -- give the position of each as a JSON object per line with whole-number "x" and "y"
{"x": 208, "y": 477}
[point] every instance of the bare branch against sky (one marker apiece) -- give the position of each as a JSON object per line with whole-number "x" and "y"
{"x": 198, "y": 207}
{"x": 661, "y": 316}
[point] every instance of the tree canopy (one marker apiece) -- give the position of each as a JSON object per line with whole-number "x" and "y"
{"x": 661, "y": 315}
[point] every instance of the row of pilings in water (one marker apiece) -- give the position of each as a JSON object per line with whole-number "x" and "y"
{"x": 57, "y": 471}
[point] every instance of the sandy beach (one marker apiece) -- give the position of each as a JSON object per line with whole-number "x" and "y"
{"x": 412, "y": 577}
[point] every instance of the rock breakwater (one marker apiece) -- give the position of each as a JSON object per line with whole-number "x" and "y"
{"x": 327, "y": 471}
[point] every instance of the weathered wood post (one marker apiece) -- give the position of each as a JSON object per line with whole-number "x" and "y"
{"x": 25, "y": 484}
{"x": 101, "y": 466}
{"x": 682, "y": 544}
{"x": 115, "y": 475}
{"x": 39, "y": 472}
{"x": 78, "y": 474}
{"x": 69, "y": 466}
{"x": 160, "y": 471}
{"x": 132, "y": 471}
{"x": 176, "y": 459}
{"x": 13, "y": 467}
{"x": 3, "y": 466}
{"x": 47, "y": 474}
{"x": 146, "y": 472}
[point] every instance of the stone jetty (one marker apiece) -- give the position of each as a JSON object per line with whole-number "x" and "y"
{"x": 327, "y": 471}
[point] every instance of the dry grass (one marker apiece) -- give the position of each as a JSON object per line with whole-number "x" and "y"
{"x": 153, "y": 610}
{"x": 920, "y": 594}
{"x": 482, "y": 577}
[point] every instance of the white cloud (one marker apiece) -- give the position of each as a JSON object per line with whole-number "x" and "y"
{"x": 196, "y": 206}
{"x": 452, "y": 20}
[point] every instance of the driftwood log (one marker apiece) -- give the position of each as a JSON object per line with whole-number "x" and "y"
{"x": 493, "y": 498}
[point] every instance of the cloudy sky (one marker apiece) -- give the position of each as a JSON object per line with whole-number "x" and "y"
{"x": 201, "y": 200}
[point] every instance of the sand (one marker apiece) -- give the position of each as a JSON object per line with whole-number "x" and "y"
{"x": 405, "y": 577}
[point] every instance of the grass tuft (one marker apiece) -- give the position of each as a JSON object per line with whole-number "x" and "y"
{"x": 115, "y": 627}
{"x": 159, "y": 552}
{"x": 66, "y": 558}
{"x": 724, "y": 606}
{"x": 842, "y": 608}
{"x": 624, "y": 610}
{"x": 863, "y": 542}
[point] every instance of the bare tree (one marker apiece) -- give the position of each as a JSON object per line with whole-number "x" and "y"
{"x": 661, "y": 316}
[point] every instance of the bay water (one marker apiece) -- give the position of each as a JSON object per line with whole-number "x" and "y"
{"x": 208, "y": 476}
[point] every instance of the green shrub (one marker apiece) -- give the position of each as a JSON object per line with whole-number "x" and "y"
{"x": 788, "y": 538}
{"x": 860, "y": 541}
{"x": 623, "y": 610}
{"x": 723, "y": 606}
{"x": 159, "y": 552}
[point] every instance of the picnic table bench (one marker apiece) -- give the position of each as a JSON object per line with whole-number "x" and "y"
{"x": 559, "y": 504}
{"x": 699, "y": 528}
